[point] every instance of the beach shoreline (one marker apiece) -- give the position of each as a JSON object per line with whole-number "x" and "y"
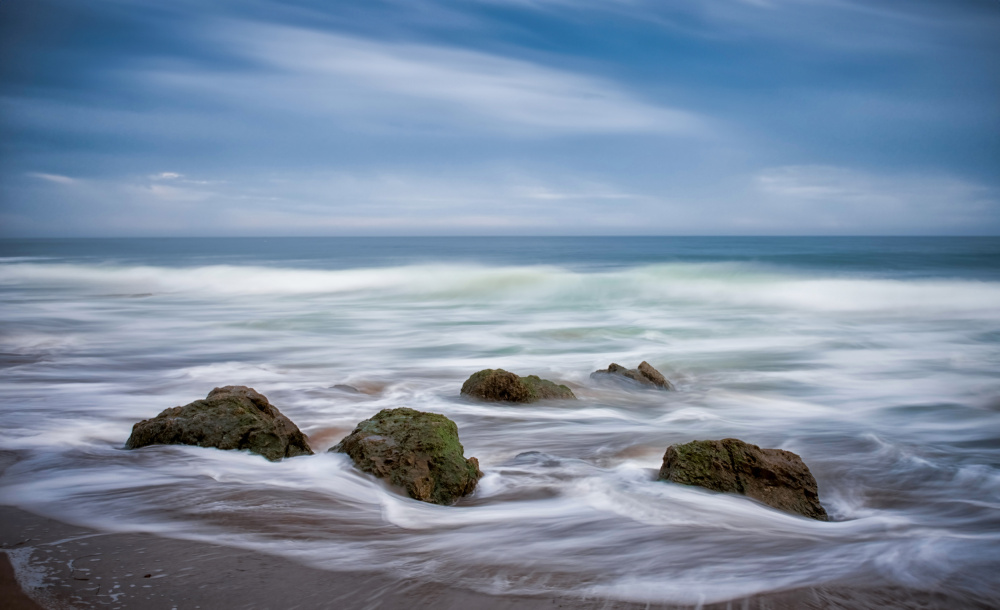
{"x": 61, "y": 565}
{"x": 867, "y": 359}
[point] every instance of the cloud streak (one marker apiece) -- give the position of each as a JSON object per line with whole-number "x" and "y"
{"x": 538, "y": 116}
{"x": 334, "y": 203}
{"x": 56, "y": 178}
{"x": 320, "y": 73}
{"x": 839, "y": 199}
{"x": 787, "y": 200}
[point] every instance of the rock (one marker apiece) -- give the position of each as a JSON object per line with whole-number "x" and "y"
{"x": 232, "y": 417}
{"x": 645, "y": 375}
{"x": 775, "y": 477}
{"x": 343, "y": 387}
{"x": 499, "y": 385}
{"x": 414, "y": 450}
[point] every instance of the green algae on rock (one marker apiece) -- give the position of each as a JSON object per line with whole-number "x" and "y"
{"x": 417, "y": 451}
{"x": 775, "y": 477}
{"x": 502, "y": 386}
{"x": 645, "y": 374}
{"x": 231, "y": 417}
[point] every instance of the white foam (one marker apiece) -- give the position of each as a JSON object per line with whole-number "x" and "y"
{"x": 875, "y": 382}
{"x": 722, "y": 284}
{"x": 31, "y": 576}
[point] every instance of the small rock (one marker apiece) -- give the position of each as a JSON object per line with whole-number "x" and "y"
{"x": 500, "y": 385}
{"x": 343, "y": 387}
{"x": 645, "y": 375}
{"x": 775, "y": 477}
{"x": 231, "y": 417}
{"x": 417, "y": 451}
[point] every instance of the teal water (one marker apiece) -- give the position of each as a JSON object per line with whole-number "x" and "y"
{"x": 875, "y": 359}
{"x": 922, "y": 256}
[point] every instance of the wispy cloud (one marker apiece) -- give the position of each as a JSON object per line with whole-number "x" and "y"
{"x": 342, "y": 203}
{"x": 58, "y": 179}
{"x": 580, "y": 116}
{"x": 420, "y": 85}
{"x": 801, "y": 199}
{"x": 862, "y": 26}
{"x": 848, "y": 200}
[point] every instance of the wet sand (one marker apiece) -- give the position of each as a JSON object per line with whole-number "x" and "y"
{"x": 11, "y": 595}
{"x": 60, "y": 565}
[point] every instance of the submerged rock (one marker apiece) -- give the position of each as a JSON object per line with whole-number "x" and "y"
{"x": 417, "y": 451}
{"x": 500, "y": 385}
{"x": 231, "y": 417}
{"x": 645, "y": 375}
{"x": 343, "y": 387}
{"x": 775, "y": 477}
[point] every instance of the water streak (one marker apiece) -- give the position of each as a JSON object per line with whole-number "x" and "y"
{"x": 883, "y": 381}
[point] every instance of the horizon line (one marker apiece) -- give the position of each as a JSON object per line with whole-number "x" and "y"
{"x": 492, "y": 236}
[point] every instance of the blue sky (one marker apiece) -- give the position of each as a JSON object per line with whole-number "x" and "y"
{"x": 534, "y": 117}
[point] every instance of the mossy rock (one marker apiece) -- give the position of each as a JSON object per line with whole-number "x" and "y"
{"x": 645, "y": 375}
{"x": 499, "y": 385}
{"x": 775, "y": 477}
{"x": 417, "y": 451}
{"x": 231, "y": 417}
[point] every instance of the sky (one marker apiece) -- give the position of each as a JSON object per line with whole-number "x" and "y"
{"x": 499, "y": 117}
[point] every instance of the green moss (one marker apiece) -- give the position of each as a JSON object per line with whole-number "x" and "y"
{"x": 478, "y": 376}
{"x": 777, "y": 478}
{"x": 542, "y": 389}
{"x": 231, "y": 418}
{"x": 503, "y": 386}
{"x": 417, "y": 451}
{"x": 703, "y": 463}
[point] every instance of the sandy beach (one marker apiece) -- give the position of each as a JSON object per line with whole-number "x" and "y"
{"x": 65, "y": 566}
{"x": 59, "y": 565}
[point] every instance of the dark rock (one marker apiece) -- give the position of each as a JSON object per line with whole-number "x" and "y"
{"x": 414, "y": 450}
{"x": 499, "y": 385}
{"x": 543, "y": 389}
{"x": 343, "y": 387}
{"x": 645, "y": 375}
{"x": 233, "y": 417}
{"x": 775, "y": 477}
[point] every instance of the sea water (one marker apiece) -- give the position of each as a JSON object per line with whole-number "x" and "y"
{"x": 877, "y": 360}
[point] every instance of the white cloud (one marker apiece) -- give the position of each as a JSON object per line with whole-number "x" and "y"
{"x": 166, "y": 176}
{"x": 52, "y": 178}
{"x": 851, "y": 200}
{"x": 847, "y": 26}
{"x": 487, "y": 201}
{"x": 394, "y": 197}
{"x": 544, "y": 193}
{"x": 798, "y": 199}
{"x": 178, "y": 194}
{"x": 345, "y": 77}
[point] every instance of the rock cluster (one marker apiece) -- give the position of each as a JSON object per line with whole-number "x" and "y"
{"x": 417, "y": 451}
{"x": 421, "y": 452}
{"x": 231, "y": 417}
{"x": 775, "y": 477}
{"x": 499, "y": 385}
{"x": 645, "y": 375}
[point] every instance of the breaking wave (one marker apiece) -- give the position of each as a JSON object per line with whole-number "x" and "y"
{"x": 886, "y": 386}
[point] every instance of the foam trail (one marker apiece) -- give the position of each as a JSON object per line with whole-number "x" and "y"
{"x": 885, "y": 384}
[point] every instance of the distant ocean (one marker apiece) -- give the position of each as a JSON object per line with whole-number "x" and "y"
{"x": 875, "y": 359}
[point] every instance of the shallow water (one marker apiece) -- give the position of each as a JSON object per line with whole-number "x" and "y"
{"x": 874, "y": 359}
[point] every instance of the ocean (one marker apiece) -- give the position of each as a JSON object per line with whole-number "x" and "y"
{"x": 877, "y": 360}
